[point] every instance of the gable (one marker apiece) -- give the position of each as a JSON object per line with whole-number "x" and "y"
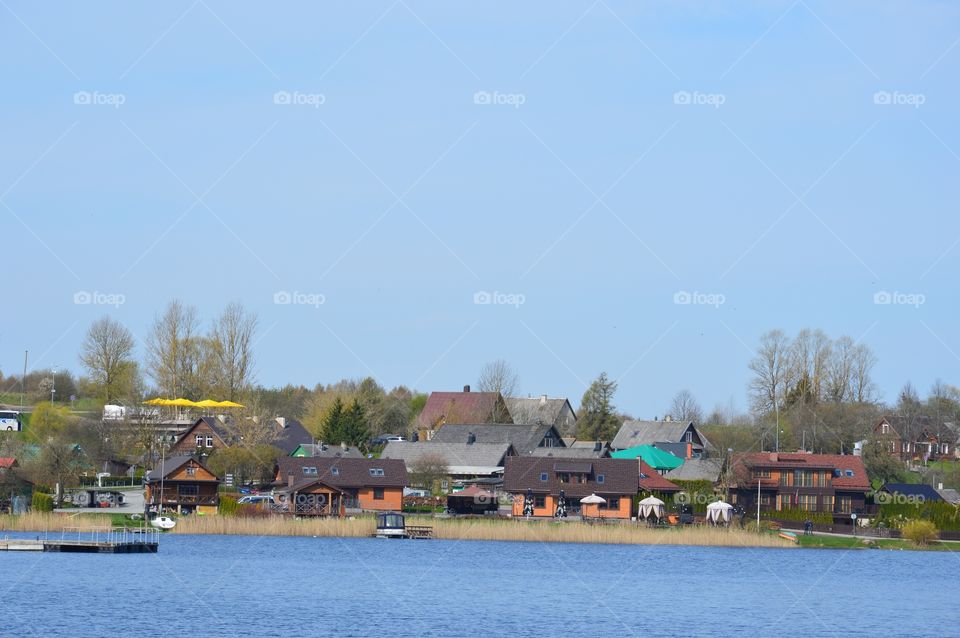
{"x": 191, "y": 471}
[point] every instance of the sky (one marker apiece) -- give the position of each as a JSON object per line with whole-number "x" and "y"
{"x": 408, "y": 190}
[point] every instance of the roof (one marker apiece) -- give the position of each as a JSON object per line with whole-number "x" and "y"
{"x": 843, "y": 462}
{"x": 344, "y": 473}
{"x": 919, "y": 491}
{"x": 215, "y": 424}
{"x": 322, "y": 449}
{"x": 290, "y": 434}
{"x": 461, "y": 407}
{"x": 7, "y": 462}
{"x": 697, "y": 470}
{"x": 659, "y": 459}
{"x": 652, "y": 481}
{"x": 171, "y": 465}
{"x": 540, "y": 409}
{"x": 920, "y": 425}
{"x": 569, "y": 452}
{"x": 460, "y": 456}
{"x": 949, "y": 495}
{"x": 523, "y": 473}
{"x": 634, "y": 433}
{"x": 523, "y": 438}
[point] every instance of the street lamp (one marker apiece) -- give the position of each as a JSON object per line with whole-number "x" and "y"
{"x": 53, "y": 383}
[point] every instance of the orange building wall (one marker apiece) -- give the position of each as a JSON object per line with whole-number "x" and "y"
{"x": 392, "y": 499}
{"x": 625, "y": 511}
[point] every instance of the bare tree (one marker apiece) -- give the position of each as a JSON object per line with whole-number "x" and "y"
{"x": 685, "y": 407}
{"x": 498, "y": 376}
{"x": 107, "y": 355}
{"x": 840, "y": 370}
{"x": 174, "y": 352}
{"x": 862, "y": 387}
{"x": 429, "y": 470}
{"x": 810, "y": 352}
{"x": 231, "y": 349}
{"x": 773, "y": 371}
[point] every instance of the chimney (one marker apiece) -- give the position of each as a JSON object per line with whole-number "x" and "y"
{"x": 774, "y": 457}
{"x": 543, "y": 399}
{"x": 282, "y": 421}
{"x": 466, "y": 388}
{"x": 597, "y": 446}
{"x": 289, "y": 479}
{"x": 471, "y": 438}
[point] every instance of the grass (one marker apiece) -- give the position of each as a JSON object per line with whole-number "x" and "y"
{"x": 850, "y": 542}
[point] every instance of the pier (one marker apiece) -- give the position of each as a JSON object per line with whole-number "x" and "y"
{"x": 100, "y": 540}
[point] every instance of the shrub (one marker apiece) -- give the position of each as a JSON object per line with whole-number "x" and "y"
{"x": 41, "y": 502}
{"x": 921, "y": 532}
{"x": 228, "y": 505}
{"x": 800, "y": 516}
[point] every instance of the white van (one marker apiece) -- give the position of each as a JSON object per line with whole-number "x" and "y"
{"x": 10, "y": 421}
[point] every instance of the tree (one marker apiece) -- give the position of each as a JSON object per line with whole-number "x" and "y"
{"x": 231, "y": 348}
{"x": 175, "y": 352}
{"x": 428, "y": 470}
{"x": 246, "y": 463}
{"x": 773, "y": 371}
{"x": 107, "y": 355}
{"x": 597, "y": 419}
{"x": 332, "y": 430}
{"x": 684, "y": 407}
{"x": 48, "y": 422}
{"x": 498, "y": 376}
{"x": 356, "y": 430}
{"x": 881, "y": 466}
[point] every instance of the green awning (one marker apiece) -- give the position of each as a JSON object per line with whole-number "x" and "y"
{"x": 654, "y": 457}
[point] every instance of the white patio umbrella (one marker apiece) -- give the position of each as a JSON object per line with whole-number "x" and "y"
{"x": 593, "y": 499}
{"x": 719, "y": 512}
{"x": 651, "y": 505}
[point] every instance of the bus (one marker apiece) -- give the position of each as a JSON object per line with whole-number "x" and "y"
{"x": 10, "y": 421}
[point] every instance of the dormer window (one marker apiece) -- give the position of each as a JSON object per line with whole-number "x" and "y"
{"x": 335, "y": 471}
{"x": 376, "y": 471}
{"x": 601, "y": 478}
{"x": 310, "y": 471}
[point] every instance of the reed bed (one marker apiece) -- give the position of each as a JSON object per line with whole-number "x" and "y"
{"x": 486, "y": 530}
{"x": 52, "y": 522}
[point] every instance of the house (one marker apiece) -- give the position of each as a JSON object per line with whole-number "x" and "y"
{"x": 834, "y": 483}
{"x": 651, "y": 481}
{"x": 908, "y": 493}
{"x": 182, "y": 484}
{"x": 15, "y": 490}
{"x": 541, "y": 480}
{"x": 322, "y": 449}
{"x": 460, "y": 407}
{"x": 523, "y": 438}
{"x": 311, "y": 496}
{"x": 697, "y": 470}
{"x": 680, "y": 438}
{"x": 366, "y": 484}
{"x": 209, "y": 433}
{"x": 543, "y": 409}
{"x": 579, "y": 450}
{"x": 917, "y": 438}
{"x": 462, "y": 461}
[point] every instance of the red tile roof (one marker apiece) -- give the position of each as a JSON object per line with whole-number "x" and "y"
{"x": 460, "y": 407}
{"x": 7, "y": 462}
{"x": 773, "y": 460}
{"x": 654, "y": 481}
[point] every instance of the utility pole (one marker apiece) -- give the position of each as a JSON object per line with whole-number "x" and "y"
{"x": 53, "y": 383}
{"x": 24, "y": 377}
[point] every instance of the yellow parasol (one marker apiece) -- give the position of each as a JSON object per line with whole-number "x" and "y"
{"x": 229, "y": 404}
{"x": 157, "y": 401}
{"x": 208, "y": 403}
{"x": 182, "y": 403}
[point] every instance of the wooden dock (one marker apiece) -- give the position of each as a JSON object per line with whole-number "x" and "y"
{"x": 117, "y": 540}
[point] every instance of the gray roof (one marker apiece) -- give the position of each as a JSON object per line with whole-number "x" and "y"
{"x": 523, "y": 438}
{"x": 697, "y": 470}
{"x": 634, "y": 433}
{"x": 949, "y": 495}
{"x": 457, "y": 455}
{"x": 324, "y": 450}
{"x": 570, "y": 452}
{"x": 535, "y": 409}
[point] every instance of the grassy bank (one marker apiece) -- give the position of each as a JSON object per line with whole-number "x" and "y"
{"x": 849, "y": 542}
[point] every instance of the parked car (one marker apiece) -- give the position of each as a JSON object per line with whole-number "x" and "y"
{"x": 255, "y": 499}
{"x": 383, "y": 439}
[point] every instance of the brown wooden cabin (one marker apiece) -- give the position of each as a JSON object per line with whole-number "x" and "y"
{"x": 367, "y": 484}
{"x": 183, "y": 484}
{"x": 311, "y": 497}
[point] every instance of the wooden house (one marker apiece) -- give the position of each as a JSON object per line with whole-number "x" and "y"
{"x": 460, "y": 407}
{"x": 365, "y": 484}
{"x": 184, "y": 485}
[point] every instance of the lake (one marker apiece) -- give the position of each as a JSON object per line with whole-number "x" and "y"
{"x": 285, "y": 586}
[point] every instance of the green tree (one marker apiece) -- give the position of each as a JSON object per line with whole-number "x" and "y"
{"x": 332, "y": 430}
{"x": 881, "y": 466}
{"x": 48, "y": 422}
{"x": 356, "y": 430}
{"x": 597, "y": 419}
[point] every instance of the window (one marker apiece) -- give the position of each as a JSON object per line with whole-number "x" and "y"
{"x": 310, "y": 471}
{"x": 199, "y": 440}
{"x": 564, "y": 477}
{"x": 807, "y": 502}
{"x": 601, "y": 478}
{"x": 444, "y": 485}
{"x": 335, "y": 471}
{"x": 783, "y": 502}
{"x": 844, "y": 504}
{"x": 613, "y": 503}
{"x": 209, "y": 441}
{"x": 803, "y": 478}
{"x": 543, "y": 477}
{"x": 784, "y": 478}
{"x": 688, "y": 437}
{"x": 191, "y": 471}
{"x": 378, "y": 493}
{"x": 885, "y": 428}
{"x": 642, "y": 475}
{"x": 376, "y": 471}
{"x": 188, "y": 490}
{"x": 848, "y": 473}
{"x": 761, "y": 474}
{"x": 828, "y": 503}
{"x": 539, "y": 502}
{"x": 837, "y": 473}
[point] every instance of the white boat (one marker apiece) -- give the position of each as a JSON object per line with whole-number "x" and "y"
{"x": 163, "y": 522}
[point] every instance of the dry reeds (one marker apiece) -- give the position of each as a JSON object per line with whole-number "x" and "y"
{"x": 52, "y": 522}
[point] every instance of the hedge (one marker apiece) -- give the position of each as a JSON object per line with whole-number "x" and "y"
{"x": 799, "y": 515}
{"x": 944, "y": 516}
{"x": 41, "y": 502}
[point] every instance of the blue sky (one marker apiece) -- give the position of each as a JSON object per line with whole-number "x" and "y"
{"x": 784, "y": 160}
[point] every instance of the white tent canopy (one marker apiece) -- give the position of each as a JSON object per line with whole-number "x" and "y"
{"x": 651, "y": 506}
{"x": 593, "y": 499}
{"x": 719, "y": 512}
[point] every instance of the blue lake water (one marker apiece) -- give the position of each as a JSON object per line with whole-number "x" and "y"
{"x": 268, "y": 586}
